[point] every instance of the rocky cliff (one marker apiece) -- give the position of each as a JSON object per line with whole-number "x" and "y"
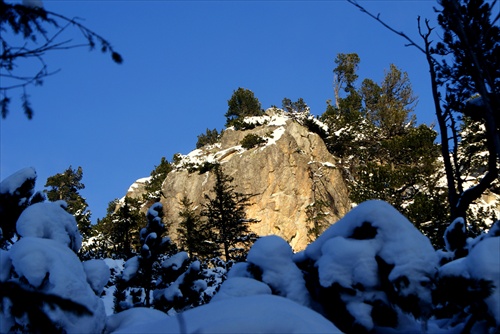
{"x": 291, "y": 170}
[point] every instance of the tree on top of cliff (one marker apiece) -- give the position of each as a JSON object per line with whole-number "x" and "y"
{"x": 242, "y": 103}
{"x": 208, "y": 138}
{"x": 158, "y": 175}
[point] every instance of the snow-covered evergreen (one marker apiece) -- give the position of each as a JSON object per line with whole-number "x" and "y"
{"x": 372, "y": 271}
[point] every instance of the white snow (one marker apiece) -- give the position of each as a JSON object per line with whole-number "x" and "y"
{"x": 483, "y": 262}
{"x": 49, "y": 220}
{"x": 175, "y": 261}
{"x": 236, "y": 287}
{"x": 273, "y": 255}
{"x": 328, "y": 164}
{"x": 131, "y": 317}
{"x": 348, "y": 261}
{"x": 138, "y": 183}
{"x": 346, "y": 254}
{"x": 276, "y": 135}
{"x": 130, "y": 268}
{"x": 97, "y": 274}
{"x": 53, "y": 268}
{"x": 252, "y": 314}
{"x": 11, "y": 183}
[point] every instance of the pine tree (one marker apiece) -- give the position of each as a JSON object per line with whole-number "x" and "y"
{"x": 158, "y": 175}
{"x": 118, "y": 232}
{"x": 210, "y": 137}
{"x": 345, "y": 77}
{"x": 242, "y": 103}
{"x": 298, "y": 106}
{"x": 463, "y": 65}
{"x": 226, "y": 217}
{"x": 153, "y": 245}
{"x": 192, "y": 232}
{"x": 66, "y": 186}
{"x": 384, "y": 154}
{"x": 389, "y": 106}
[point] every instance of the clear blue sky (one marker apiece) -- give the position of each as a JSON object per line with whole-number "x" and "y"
{"x": 182, "y": 61}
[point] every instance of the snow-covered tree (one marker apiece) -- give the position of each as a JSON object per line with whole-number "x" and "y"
{"x": 117, "y": 234}
{"x": 16, "y": 194}
{"x": 45, "y": 287}
{"x": 373, "y": 271}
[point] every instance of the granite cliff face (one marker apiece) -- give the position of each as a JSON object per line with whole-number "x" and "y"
{"x": 288, "y": 173}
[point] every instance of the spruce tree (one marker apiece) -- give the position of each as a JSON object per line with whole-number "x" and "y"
{"x": 118, "y": 232}
{"x": 66, "y": 186}
{"x": 153, "y": 245}
{"x": 193, "y": 232}
{"x": 226, "y": 217}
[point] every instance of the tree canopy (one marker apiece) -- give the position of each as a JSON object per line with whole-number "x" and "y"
{"x": 66, "y": 186}
{"x": 242, "y": 103}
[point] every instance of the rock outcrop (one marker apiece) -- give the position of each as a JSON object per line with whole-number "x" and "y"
{"x": 289, "y": 172}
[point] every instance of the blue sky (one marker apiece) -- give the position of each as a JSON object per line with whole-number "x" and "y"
{"x": 182, "y": 61}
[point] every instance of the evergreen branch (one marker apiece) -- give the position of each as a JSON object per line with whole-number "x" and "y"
{"x": 39, "y": 320}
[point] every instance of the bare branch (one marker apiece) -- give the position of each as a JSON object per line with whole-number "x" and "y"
{"x": 377, "y": 17}
{"x": 30, "y": 24}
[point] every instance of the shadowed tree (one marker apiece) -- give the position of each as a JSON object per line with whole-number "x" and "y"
{"x": 226, "y": 218}
{"x": 463, "y": 65}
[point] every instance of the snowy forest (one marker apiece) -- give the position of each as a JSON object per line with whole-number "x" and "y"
{"x": 418, "y": 253}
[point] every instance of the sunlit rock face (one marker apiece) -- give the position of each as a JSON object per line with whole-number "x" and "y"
{"x": 285, "y": 175}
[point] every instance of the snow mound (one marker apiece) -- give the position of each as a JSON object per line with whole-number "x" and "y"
{"x": 98, "y": 274}
{"x": 241, "y": 287}
{"x": 378, "y": 255}
{"x": 13, "y": 182}
{"x": 253, "y": 314}
{"x": 54, "y": 269}
{"x": 483, "y": 262}
{"x": 49, "y": 220}
{"x": 273, "y": 256}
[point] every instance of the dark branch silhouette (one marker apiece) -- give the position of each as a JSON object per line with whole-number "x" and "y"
{"x": 32, "y": 32}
